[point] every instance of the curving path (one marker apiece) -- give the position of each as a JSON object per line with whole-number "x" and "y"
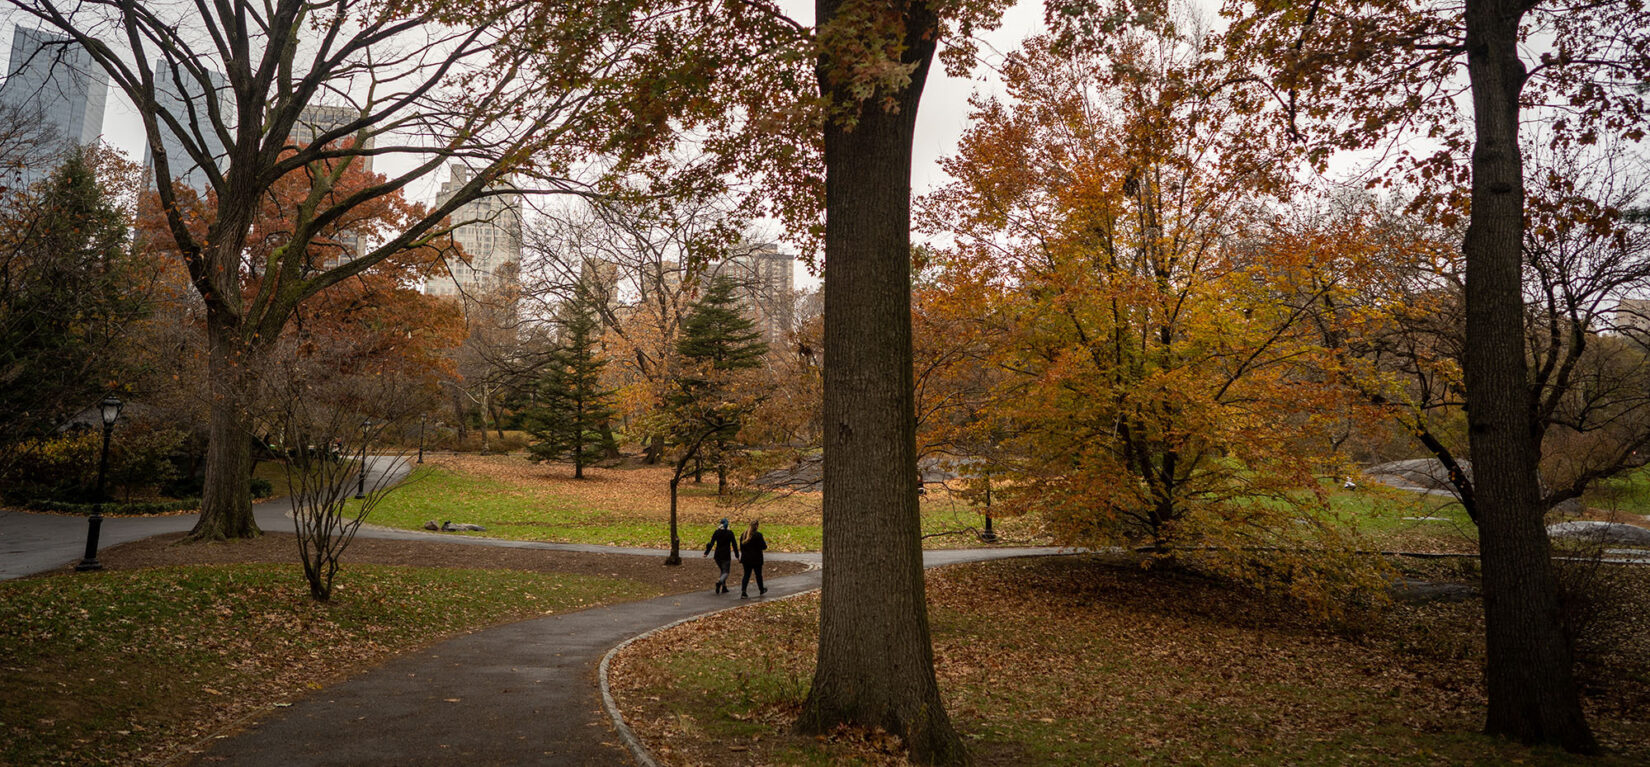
{"x": 34, "y": 543}
{"x": 519, "y": 694}
{"x": 524, "y": 693}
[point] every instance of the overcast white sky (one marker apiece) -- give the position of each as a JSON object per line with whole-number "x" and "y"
{"x": 940, "y": 120}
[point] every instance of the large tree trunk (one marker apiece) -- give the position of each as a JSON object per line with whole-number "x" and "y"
{"x": 876, "y": 663}
{"x": 226, "y": 498}
{"x": 1528, "y": 674}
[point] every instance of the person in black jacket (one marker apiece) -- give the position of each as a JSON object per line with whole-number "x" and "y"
{"x": 723, "y": 541}
{"x": 753, "y": 544}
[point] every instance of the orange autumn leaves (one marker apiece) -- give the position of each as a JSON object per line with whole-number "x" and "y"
{"x": 1155, "y": 334}
{"x": 387, "y": 325}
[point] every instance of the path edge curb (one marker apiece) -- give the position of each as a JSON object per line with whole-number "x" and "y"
{"x": 627, "y": 735}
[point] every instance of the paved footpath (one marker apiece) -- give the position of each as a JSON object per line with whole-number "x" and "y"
{"x": 33, "y": 543}
{"x": 520, "y": 694}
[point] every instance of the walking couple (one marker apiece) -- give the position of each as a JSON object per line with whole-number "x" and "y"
{"x": 747, "y": 549}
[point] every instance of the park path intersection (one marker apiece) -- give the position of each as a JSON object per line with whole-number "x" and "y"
{"x": 523, "y": 693}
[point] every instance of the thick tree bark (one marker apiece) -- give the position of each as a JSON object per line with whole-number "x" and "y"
{"x": 876, "y": 664}
{"x": 1528, "y": 675}
{"x": 226, "y": 497}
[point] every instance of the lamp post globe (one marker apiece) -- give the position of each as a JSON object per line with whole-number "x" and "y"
{"x": 109, "y": 412}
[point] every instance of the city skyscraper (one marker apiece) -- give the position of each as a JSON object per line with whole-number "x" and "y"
{"x": 53, "y": 83}
{"x": 766, "y": 280}
{"x": 489, "y": 231}
{"x": 177, "y": 102}
{"x": 313, "y": 121}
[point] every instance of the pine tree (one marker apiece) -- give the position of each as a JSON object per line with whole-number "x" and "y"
{"x": 69, "y": 286}
{"x": 717, "y": 340}
{"x": 703, "y": 408}
{"x": 570, "y": 420}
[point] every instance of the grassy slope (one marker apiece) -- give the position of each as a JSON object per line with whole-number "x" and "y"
{"x": 518, "y": 500}
{"x": 126, "y": 667}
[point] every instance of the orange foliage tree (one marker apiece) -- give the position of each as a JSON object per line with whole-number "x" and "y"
{"x": 376, "y": 323}
{"x": 1166, "y": 381}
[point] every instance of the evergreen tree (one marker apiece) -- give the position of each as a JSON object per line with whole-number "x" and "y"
{"x": 68, "y": 287}
{"x": 717, "y": 340}
{"x": 573, "y": 410}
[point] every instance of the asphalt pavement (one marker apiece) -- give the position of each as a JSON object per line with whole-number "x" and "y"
{"x": 519, "y": 694}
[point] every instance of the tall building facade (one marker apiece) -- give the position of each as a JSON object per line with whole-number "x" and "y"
{"x": 766, "y": 278}
{"x": 314, "y": 121}
{"x": 181, "y": 103}
{"x": 53, "y": 83}
{"x": 489, "y": 231}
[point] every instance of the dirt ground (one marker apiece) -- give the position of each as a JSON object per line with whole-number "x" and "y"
{"x": 165, "y": 550}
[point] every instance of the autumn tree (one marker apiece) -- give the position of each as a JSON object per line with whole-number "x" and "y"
{"x": 875, "y": 664}
{"x": 497, "y": 86}
{"x": 1165, "y": 383}
{"x": 642, "y": 256}
{"x": 329, "y": 403}
{"x": 1359, "y": 73}
{"x": 571, "y": 412}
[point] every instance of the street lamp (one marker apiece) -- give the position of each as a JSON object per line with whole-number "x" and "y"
{"x": 361, "y": 478}
{"x": 421, "y": 439}
{"x": 988, "y": 536}
{"x": 109, "y": 410}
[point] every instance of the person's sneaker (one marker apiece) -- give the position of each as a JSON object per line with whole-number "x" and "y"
{"x": 743, "y": 595}
{"x": 763, "y": 591}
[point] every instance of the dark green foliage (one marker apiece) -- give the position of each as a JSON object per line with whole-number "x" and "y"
{"x": 63, "y": 467}
{"x": 135, "y": 508}
{"x": 706, "y": 407}
{"x": 569, "y": 420}
{"x": 68, "y": 287}
{"x": 717, "y": 334}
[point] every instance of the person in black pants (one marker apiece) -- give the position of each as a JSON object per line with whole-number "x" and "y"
{"x": 753, "y": 544}
{"x": 722, "y": 540}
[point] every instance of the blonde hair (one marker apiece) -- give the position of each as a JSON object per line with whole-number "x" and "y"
{"x": 749, "y": 531}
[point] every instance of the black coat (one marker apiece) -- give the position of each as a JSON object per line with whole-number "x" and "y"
{"x": 754, "y": 546}
{"x": 723, "y": 539}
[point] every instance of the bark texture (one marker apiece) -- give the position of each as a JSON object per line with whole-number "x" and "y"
{"x": 1529, "y": 675}
{"x": 875, "y": 665}
{"x": 226, "y": 496}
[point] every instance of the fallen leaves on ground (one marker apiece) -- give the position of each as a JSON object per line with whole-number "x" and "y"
{"x": 1081, "y": 661}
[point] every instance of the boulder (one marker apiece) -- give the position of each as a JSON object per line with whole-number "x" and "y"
{"x": 431, "y": 525}
{"x": 1601, "y": 532}
{"x": 1423, "y": 473}
{"x": 460, "y": 527}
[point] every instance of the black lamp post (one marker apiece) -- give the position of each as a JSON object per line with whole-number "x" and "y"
{"x": 421, "y": 439}
{"x": 361, "y": 478}
{"x": 988, "y": 536}
{"x": 109, "y": 410}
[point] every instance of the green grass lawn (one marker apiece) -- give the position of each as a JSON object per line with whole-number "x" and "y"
{"x": 521, "y": 501}
{"x": 1628, "y": 493}
{"x": 1070, "y": 661}
{"x": 130, "y": 666}
{"x": 1395, "y": 519}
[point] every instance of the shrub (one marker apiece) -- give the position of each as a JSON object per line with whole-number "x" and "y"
{"x": 132, "y": 509}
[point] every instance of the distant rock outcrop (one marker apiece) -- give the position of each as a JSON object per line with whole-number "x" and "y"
{"x": 1615, "y": 533}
